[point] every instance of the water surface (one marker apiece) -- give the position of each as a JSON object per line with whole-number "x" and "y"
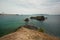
{"x": 10, "y": 23}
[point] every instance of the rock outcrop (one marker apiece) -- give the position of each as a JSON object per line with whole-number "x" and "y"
{"x": 26, "y": 20}
{"x": 28, "y": 34}
{"x": 40, "y": 18}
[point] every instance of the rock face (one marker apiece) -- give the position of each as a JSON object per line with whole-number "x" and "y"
{"x": 40, "y": 18}
{"x": 27, "y": 34}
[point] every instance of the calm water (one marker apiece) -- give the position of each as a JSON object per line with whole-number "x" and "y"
{"x": 10, "y": 23}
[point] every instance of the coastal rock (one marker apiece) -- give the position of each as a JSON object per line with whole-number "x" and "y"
{"x": 40, "y": 18}
{"x": 26, "y": 20}
{"x": 27, "y": 34}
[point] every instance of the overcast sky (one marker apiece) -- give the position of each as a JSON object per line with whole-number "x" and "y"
{"x": 30, "y": 6}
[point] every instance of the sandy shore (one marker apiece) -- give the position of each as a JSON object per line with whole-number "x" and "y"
{"x": 28, "y": 34}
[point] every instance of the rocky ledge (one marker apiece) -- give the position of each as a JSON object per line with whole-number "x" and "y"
{"x": 28, "y": 34}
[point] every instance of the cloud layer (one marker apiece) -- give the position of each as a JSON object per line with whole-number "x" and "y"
{"x": 30, "y": 6}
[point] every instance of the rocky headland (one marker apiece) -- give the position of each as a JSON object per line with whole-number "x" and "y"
{"x": 27, "y": 33}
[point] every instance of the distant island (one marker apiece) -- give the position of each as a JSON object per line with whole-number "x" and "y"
{"x": 29, "y": 14}
{"x": 10, "y": 14}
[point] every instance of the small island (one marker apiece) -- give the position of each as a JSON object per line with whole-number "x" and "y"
{"x": 40, "y": 18}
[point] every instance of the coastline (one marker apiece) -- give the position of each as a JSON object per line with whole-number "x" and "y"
{"x": 27, "y": 33}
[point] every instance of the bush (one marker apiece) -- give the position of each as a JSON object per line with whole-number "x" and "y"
{"x": 41, "y": 30}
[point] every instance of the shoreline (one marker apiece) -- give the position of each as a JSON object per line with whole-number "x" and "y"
{"x": 25, "y": 32}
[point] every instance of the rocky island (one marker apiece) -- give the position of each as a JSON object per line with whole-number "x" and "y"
{"x": 40, "y": 18}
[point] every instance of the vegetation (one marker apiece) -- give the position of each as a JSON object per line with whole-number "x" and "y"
{"x": 41, "y": 30}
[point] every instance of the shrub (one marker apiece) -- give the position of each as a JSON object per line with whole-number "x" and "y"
{"x": 41, "y": 30}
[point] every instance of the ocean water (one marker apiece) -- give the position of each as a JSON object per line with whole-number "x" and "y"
{"x": 9, "y": 24}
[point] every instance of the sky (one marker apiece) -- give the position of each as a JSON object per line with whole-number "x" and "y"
{"x": 30, "y": 6}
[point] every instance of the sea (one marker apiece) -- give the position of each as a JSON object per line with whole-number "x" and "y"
{"x": 9, "y": 23}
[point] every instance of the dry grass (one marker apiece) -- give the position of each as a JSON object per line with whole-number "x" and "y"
{"x": 27, "y": 34}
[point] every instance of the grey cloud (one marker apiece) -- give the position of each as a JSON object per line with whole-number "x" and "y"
{"x": 30, "y": 6}
{"x": 53, "y": 1}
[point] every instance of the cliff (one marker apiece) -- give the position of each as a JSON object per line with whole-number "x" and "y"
{"x": 28, "y": 34}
